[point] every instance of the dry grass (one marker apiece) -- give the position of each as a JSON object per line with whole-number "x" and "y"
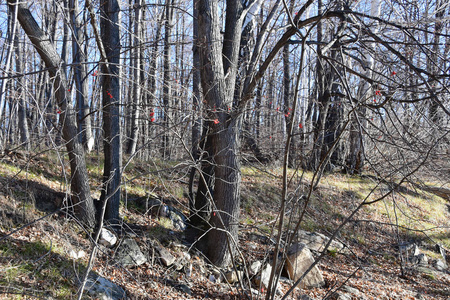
{"x": 35, "y": 260}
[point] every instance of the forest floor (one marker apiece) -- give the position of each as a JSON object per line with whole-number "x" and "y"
{"x": 37, "y": 248}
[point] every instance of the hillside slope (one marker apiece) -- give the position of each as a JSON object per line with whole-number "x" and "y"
{"x": 43, "y": 253}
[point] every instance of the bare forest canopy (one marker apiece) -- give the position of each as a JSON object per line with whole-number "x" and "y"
{"x": 357, "y": 87}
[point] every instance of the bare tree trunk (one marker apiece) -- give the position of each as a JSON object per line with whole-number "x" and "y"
{"x": 136, "y": 92}
{"x": 12, "y": 21}
{"x": 151, "y": 81}
{"x": 81, "y": 196}
{"x": 80, "y": 76}
{"x": 287, "y": 99}
{"x": 112, "y": 172}
{"x": 167, "y": 83}
{"x": 22, "y": 106}
{"x": 355, "y": 159}
{"x": 434, "y": 62}
{"x": 196, "y": 117}
{"x": 226, "y": 210}
{"x": 219, "y": 73}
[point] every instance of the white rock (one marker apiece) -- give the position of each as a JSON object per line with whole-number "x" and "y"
{"x": 76, "y": 255}
{"x": 107, "y": 238}
{"x": 263, "y": 279}
{"x": 255, "y": 267}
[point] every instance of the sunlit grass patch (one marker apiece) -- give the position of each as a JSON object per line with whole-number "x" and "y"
{"x": 35, "y": 266}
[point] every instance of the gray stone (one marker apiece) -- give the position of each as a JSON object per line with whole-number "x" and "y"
{"x": 212, "y": 278}
{"x": 107, "y": 238}
{"x": 406, "y": 246}
{"x": 419, "y": 296}
{"x": 262, "y": 280}
{"x": 299, "y": 259}
{"x": 233, "y": 276}
{"x": 77, "y": 254}
{"x": 184, "y": 288}
{"x": 101, "y": 288}
{"x": 350, "y": 290}
{"x": 422, "y": 259}
{"x": 343, "y": 297}
{"x": 182, "y": 261}
{"x": 129, "y": 254}
{"x": 441, "y": 251}
{"x": 439, "y": 265}
{"x": 316, "y": 241}
{"x": 165, "y": 256}
{"x": 255, "y": 267}
{"x": 178, "y": 220}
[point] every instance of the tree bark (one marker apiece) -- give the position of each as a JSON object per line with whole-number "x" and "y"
{"x": 218, "y": 93}
{"x": 112, "y": 172}
{"x": 287, "y": 100}
{"x": 196, "y": 117}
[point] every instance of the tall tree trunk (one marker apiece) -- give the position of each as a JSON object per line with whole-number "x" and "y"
{"x": 226, "y": 210}
{"x": 136, "y": 92}
{"x": 22, "y": 106}
{"x": 219, "y": 74}
{"x": 435, "y": 60}
{"x": 288, "y": 118}
{"x": 12, "y": 21}
{"x": 167, "y": 82}
{"x": 287, "y": 99}
{"x": 218, "y": 93}
{"x": 326, "y": 125}
{"x": 151, "y": 81}
{"x": 196, "y": 117}
{"x": 81, "y": 196}
{"x": 80, "y": 76}
{"x": 321, "y": 106}
{"x": 355, "y": 159}
{"x": 112, "y": 172}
